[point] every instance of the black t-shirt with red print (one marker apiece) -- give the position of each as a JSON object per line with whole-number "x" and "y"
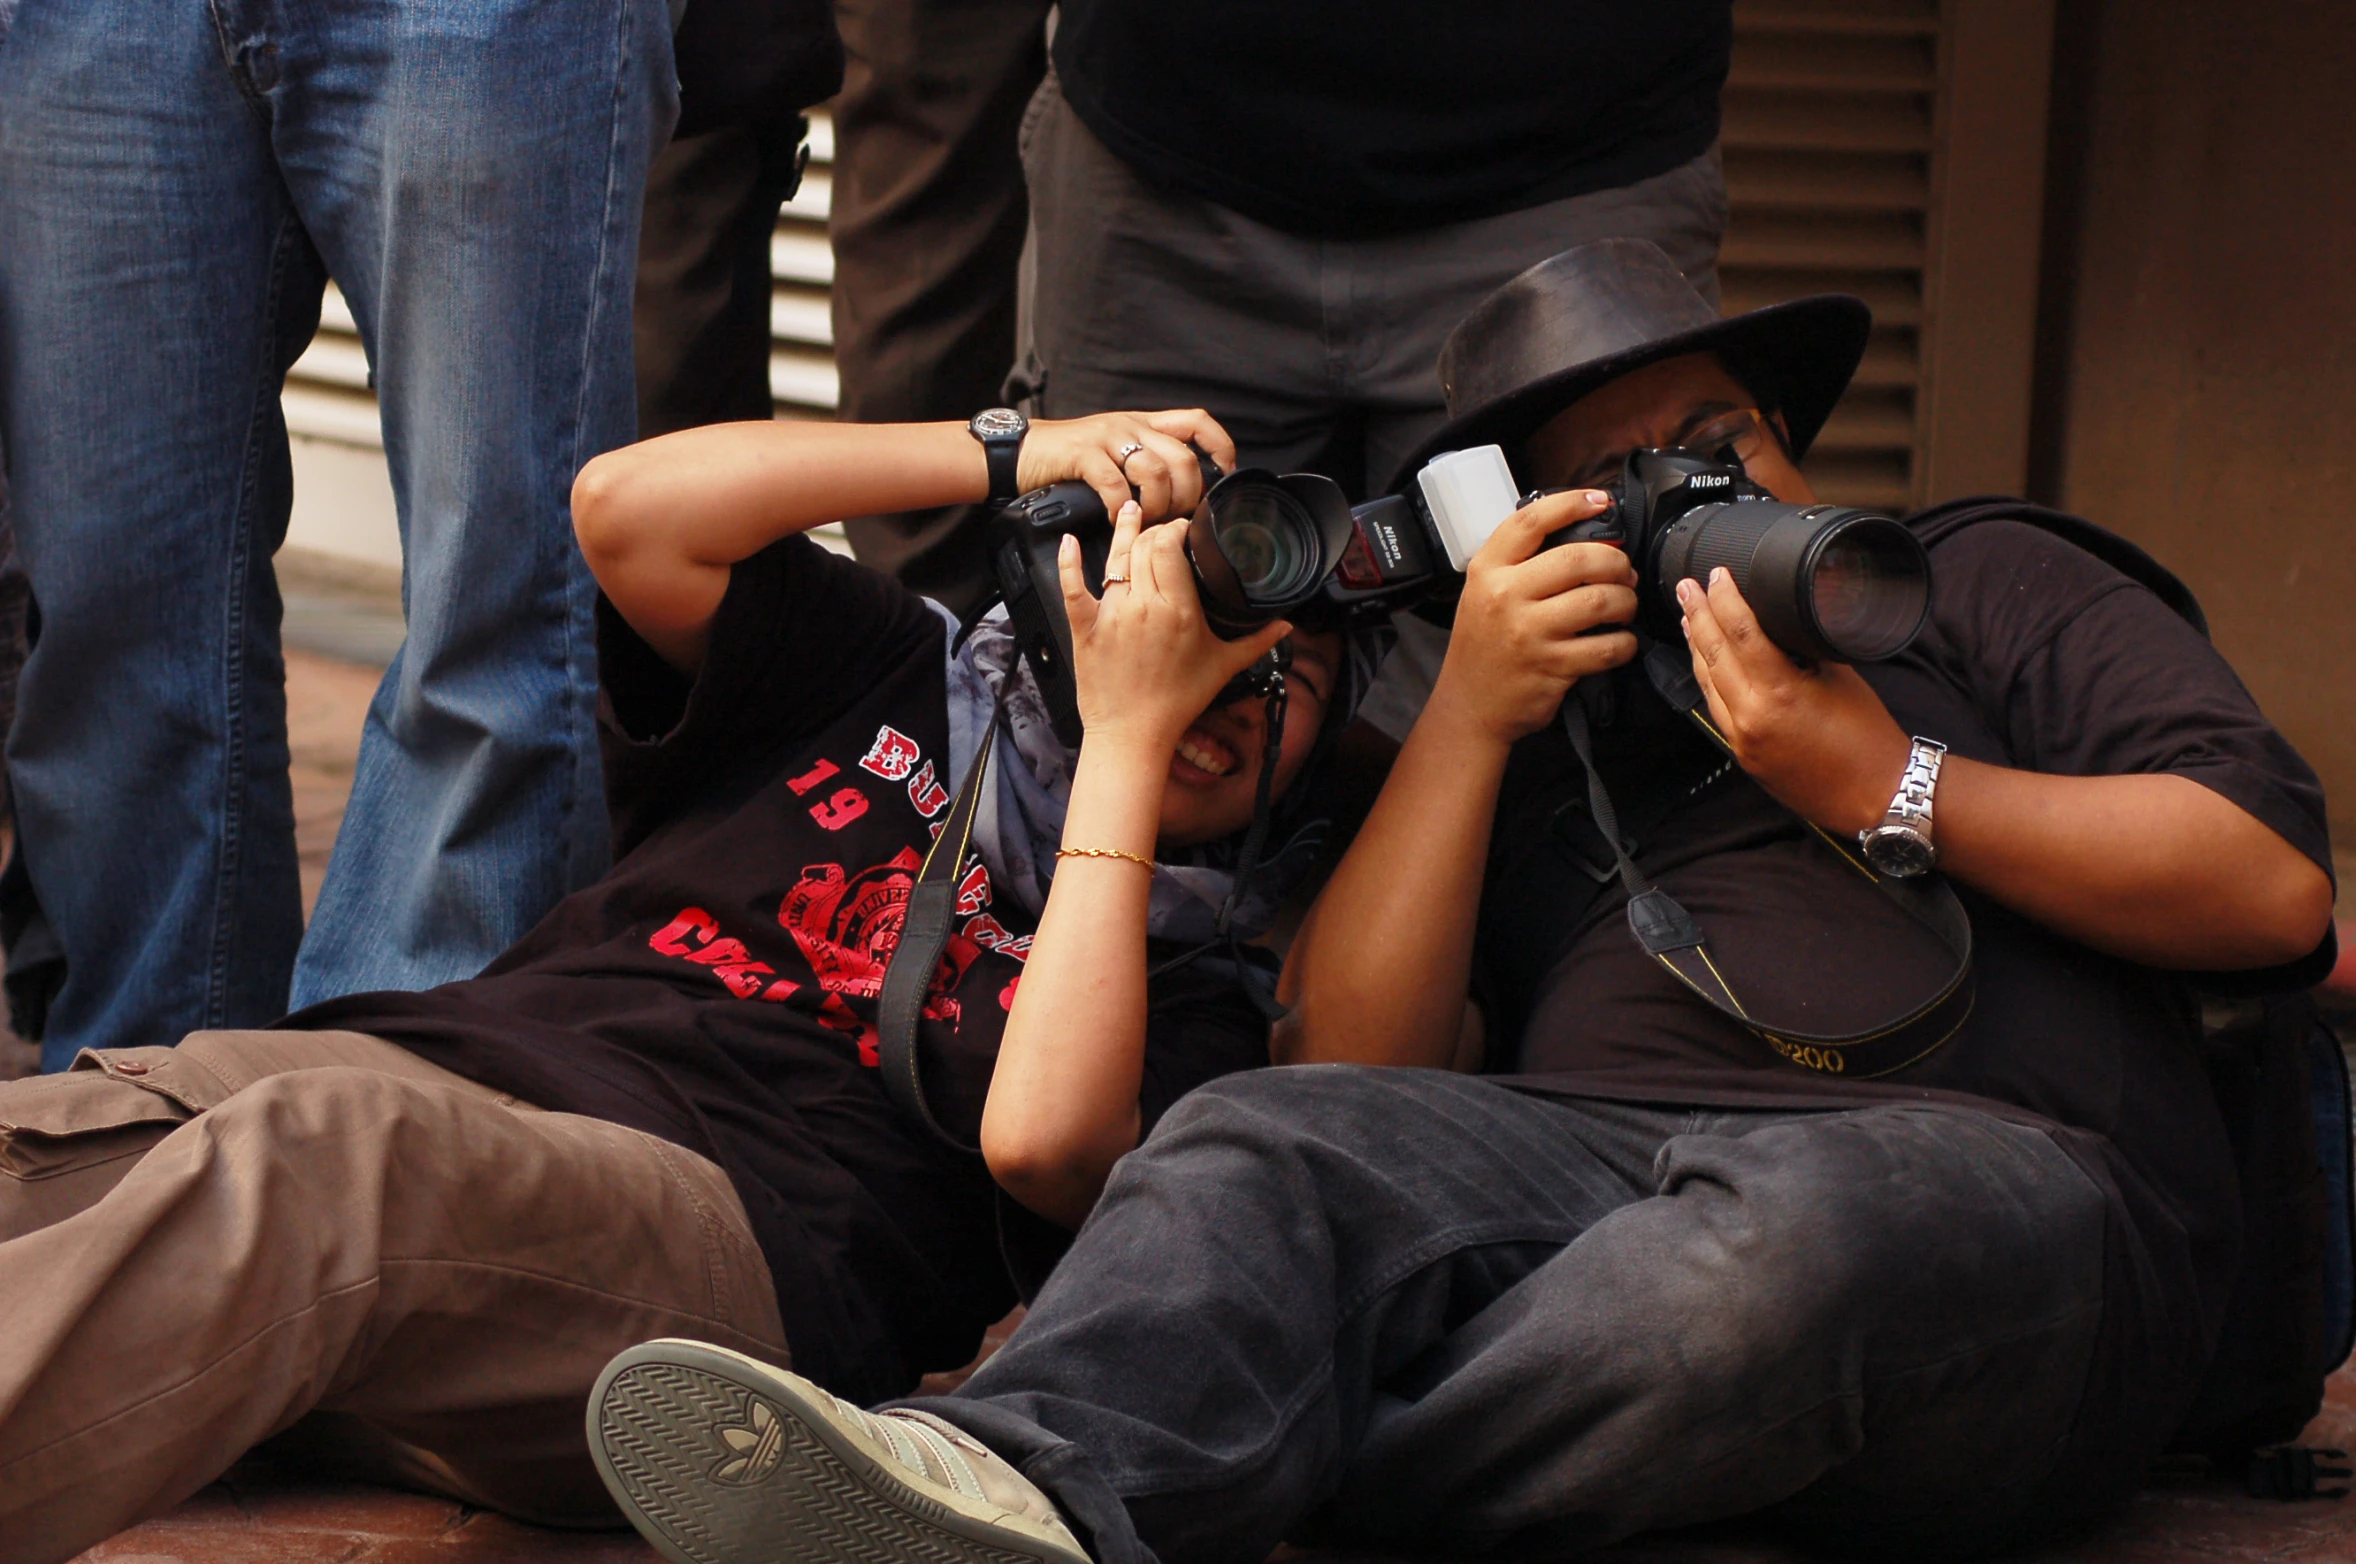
{"x": 718, "y": 987}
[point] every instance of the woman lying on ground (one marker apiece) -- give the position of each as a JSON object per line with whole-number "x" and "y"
{"x": 404, "y": 1231}
{"x": 1167, "y": 768}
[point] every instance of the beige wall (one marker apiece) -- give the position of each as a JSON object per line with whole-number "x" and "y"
{"x": 2197, "y": 375}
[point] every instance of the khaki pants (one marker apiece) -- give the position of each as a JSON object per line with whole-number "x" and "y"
{"x": 202, "y": 1246}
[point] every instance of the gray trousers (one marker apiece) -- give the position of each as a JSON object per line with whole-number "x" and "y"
{"x": 1413, "y": 1311}
{"x": 1317, "y": 354}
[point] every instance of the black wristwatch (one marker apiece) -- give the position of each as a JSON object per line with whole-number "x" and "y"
{"x": 1001, "y": 431}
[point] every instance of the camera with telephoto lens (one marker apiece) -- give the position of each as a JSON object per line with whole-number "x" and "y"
{"x": 1828, "y": 582}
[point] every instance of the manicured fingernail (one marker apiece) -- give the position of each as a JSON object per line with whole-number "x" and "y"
{"x": 1720, "y": 575}
{"x": 1598, "y": 497}
{"x": 1685, "y": 591}
{"x": 1069, "y": 547}
{"x": 1128, "y": 509}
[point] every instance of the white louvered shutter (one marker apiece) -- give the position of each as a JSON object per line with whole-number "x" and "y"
{"x": 801, "y": 268}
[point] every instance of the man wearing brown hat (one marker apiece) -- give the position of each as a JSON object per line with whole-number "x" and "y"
{"x": 1896, "y": 1205}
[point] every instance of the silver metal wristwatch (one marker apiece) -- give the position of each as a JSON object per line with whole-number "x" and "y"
{"x": 1901, "y": 845}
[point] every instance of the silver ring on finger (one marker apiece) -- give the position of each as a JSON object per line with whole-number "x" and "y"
{"x": 1121, "y": 456}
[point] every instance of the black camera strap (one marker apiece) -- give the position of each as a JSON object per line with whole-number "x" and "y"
{"x": 1669, "y": 934}
{"x": 924, "y": 934}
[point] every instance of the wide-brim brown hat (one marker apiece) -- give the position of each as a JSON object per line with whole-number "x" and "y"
{"x": 1582, "y": 319}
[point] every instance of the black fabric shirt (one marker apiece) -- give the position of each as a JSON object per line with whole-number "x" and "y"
{"x": 1335, "y": 119}
{"x": 718, "y": 988}
{"x": 2037, "y": 656}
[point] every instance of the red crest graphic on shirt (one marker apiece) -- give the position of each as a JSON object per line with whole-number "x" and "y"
{"x": 848, "y": 927}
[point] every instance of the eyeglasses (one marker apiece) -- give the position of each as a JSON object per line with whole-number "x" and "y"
{"x": 1744, "y": 428}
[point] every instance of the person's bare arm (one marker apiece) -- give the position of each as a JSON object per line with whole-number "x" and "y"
{"x": 662, "y": 522}
{"x": 1063, "y": 1105}
{"x": 1380, "y": 969}
{"x": 2155, "y": 869}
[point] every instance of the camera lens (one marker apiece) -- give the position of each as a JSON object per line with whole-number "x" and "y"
{"x": 1869, "y": 586}
{"x": 1262, "y": 545}
{"x": 1827, "y": 582}
{"x": 1269, "y": 540}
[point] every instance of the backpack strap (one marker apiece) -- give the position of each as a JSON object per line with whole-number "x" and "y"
{"x": 1937, "y": 523}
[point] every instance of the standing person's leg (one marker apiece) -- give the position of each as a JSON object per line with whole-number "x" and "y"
{"x": 700, "y": 312}
{"x": 1138, "y": 296}
{"x": 16, "y": 595}
{"x": 324, "y": 1223}
{"x": 473, "y": 173}
{"x": 927, "y": 224}
{"x": 32, "y": 968}
{"x": 154, "y": 285}
{"x": 1406, "y": 294}
{"x": 1200, "y": 1364}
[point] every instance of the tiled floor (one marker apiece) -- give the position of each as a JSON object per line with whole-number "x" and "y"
{"x": 326, "y": 700}
{"x": 260, "y": 1515}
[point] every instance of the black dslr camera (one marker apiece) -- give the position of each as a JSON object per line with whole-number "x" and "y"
{"x": 1262, "y": 547}
{"x": 1828, "y": 582}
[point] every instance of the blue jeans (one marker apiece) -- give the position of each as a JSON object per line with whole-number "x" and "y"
{"x": 1409, "y": 1312}
{"x": 177, "y": 178}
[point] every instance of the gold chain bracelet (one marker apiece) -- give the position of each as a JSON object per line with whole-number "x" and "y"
{"x": 1102, "y": 852}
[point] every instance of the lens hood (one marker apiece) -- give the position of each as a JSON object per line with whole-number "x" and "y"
{"x": 1263, "y": 544}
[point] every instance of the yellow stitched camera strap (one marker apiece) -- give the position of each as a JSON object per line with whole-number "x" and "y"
{"x": 1669, "y": 934}
{"x": 924, "y": 933}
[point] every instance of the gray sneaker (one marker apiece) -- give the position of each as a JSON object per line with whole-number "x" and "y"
{"x": 718, "y": 1458}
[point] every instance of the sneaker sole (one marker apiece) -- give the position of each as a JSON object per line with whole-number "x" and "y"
{"x": 798, "y": 1493}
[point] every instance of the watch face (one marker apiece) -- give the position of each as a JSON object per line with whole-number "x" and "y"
{"x": 1897, "y": 851}
{"x": 998, "y": 423}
